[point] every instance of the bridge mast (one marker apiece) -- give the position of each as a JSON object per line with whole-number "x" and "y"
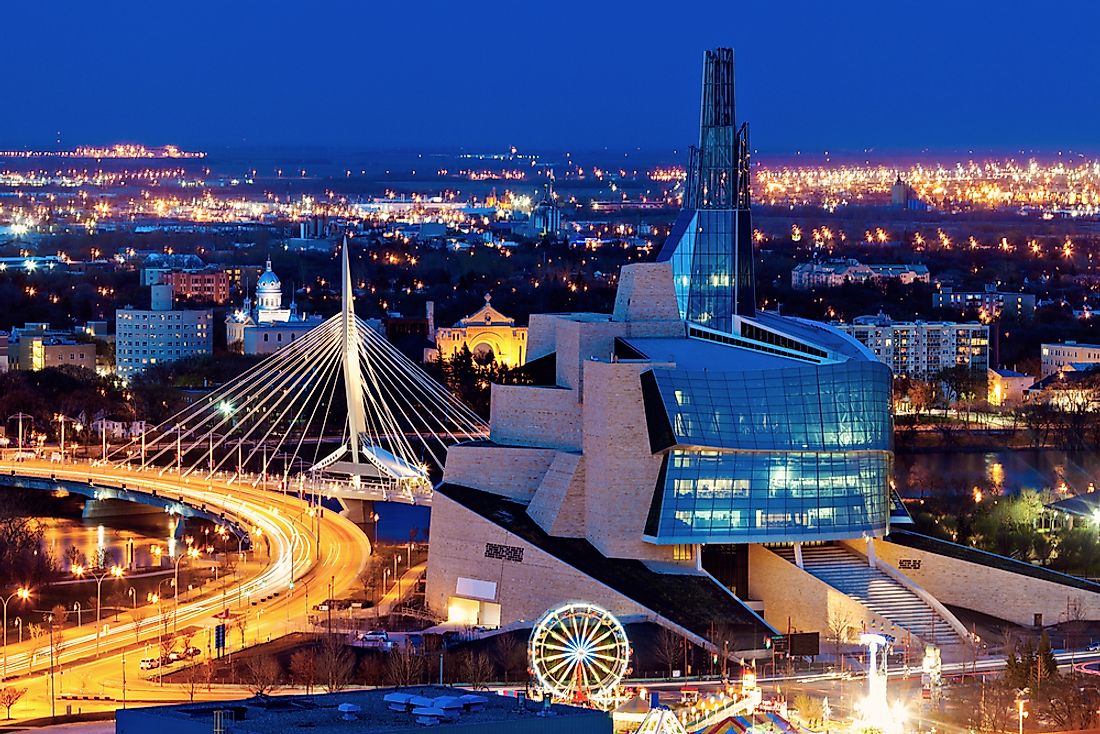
{"x": 353, "y": 375}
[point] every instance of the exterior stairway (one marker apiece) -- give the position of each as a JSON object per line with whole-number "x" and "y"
{"x": 849, "y": 573}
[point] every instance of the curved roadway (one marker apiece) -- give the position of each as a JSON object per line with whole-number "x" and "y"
{"x": 337, "y": 557}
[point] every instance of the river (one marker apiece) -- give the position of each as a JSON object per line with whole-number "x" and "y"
{"x": 1004, "y": 471}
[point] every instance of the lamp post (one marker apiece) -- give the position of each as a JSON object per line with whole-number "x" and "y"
{"x": 76, "y": 608}
{"x": 115, "y": 572}
{"x": 20, "y": 417}
{"x": 23, "y": 593}
{"x": 62, "y": 419}
{"x": 191, "y": 552}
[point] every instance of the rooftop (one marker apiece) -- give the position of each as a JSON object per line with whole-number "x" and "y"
{"x": 375, "y": 710}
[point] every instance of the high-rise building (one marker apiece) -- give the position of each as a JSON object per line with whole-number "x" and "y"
{"x": 160, "y": 334}
{"x": 710, "y": 246}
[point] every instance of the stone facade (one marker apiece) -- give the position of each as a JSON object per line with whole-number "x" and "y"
{"x": 992, "y": 591}
{"x": 524, "y": 589}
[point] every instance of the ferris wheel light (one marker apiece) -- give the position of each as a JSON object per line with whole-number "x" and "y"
{"x": 579, "y": 652}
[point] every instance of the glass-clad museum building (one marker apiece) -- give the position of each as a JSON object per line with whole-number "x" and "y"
{"x": 800, "y": 453}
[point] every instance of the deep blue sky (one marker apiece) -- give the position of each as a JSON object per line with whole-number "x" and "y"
{"x": 835, "y": 75}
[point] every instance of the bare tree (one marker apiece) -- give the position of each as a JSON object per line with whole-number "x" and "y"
{"x": 36, "y": 631}
{"x": 668, "y": 648}
{"x": 193, "y": 675}
{"x": 510, "y": 654}
{"x": 137, "y": 615}
{"x": 9, "y": 696}
{"x": 58, "y": 616}
{"x": 405, "y": 666}
{"x": 303, "y": 668}
{"x": 335, "y": 664}
{"x": 838, "y": 625}
{"x": 165, "y": 645}
{"x": 476, "y": 669}
{"x": 262, "y": 674}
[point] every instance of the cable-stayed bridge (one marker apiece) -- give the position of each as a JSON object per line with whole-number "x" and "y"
{"x": 339, "y": 412}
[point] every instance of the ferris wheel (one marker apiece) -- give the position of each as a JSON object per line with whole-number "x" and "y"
{"x": 578, "y": 652}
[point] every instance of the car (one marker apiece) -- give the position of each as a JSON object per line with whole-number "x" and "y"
{"x": 1094, "y": 647}
{"x": 192, "y": 652}
{"x": 175, "y": 656}
{"x": 149, "y": 663}
{"x": 378, "y": 639}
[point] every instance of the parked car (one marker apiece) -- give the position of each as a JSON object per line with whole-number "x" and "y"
{"x": 149, "y": 663}
{"x": 377, "y": 639}
{"x": 192, "y": 652}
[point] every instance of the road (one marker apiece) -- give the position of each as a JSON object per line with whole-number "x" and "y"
{"x": 306, "y": 558}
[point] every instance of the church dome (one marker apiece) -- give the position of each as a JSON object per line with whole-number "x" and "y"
{"x": 268, "y": 282}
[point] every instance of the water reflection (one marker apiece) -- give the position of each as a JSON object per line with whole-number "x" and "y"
{"x": 60, "y": 534}
{"x": 996, "y": 472}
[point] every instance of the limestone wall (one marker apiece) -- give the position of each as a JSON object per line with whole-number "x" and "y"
{"x": 646, "y": 293}
{"x": 987, "y": 590}
{"x": 620, "y": 472}
{"x": 558, "y": 504}
{"x": 505, "y": 470}
{"x": 525, "y": 589}
{"x": 526, "y": 415}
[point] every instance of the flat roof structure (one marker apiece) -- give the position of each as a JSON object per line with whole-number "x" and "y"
{"x": 389, "y": 710}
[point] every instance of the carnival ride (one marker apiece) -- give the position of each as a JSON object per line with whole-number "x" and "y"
{"x": 579, "y": 652}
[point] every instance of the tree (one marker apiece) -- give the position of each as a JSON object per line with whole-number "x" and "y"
{"x": 510, "y": 654}
{"x": 303, "y": 668}
{"x": 137, "y": 615}
{"x": 810, "y": 709}
{"x": 404, "y": 666}
{"x": 262, "y": 674}
{"x": 193, "y": 675}
{"x": 838, "y": 625}
{"x": 9, "y": 696}
{"x": 1070, "y": 702}
{"x": 335, "y": 664}
{"x": 668, "y": 648}
{"x": 476, "y": 669}
{"x": 75, "y": 556}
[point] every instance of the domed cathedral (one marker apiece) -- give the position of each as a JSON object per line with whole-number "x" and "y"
{"x": 489, "y": 334}
{"x": 263, "y": 326}
{"x": 269, "y": 295}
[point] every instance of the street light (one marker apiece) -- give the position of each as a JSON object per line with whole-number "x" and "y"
{"x": 114, "y": 571}
{"x": 62, "y": 419}
{"x": 23, "y": 593}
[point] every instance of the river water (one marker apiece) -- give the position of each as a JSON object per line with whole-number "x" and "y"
{"x": 1004, "y": 471}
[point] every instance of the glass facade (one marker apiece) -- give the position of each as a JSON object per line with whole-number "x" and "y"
{"x": 780, "y": 455}
{"x": 712, "y": 266}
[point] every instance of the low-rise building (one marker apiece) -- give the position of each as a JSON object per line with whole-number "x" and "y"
{"x": 35, "y": 346}
{"x": 920, "y": 349}
{"x": 487, "y": 333}
{"x": 1007, "y": 387}
{"x": 1055, "y": 357}
{"x": 160, "y": 334}
{"x": 835, "y": 273}
{"x": 989, "y": 301}
{"x": 156, "y": 265}
{"x": 395, "y": 711}
{"x": 208, "y": 285}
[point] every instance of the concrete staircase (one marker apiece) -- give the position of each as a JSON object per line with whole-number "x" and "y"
{"x": 849, "y": 573}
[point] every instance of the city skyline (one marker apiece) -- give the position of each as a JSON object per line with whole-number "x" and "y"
{"x": 811, "y": 79}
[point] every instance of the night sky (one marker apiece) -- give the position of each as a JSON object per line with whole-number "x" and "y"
{"x": 812, "y": 76}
